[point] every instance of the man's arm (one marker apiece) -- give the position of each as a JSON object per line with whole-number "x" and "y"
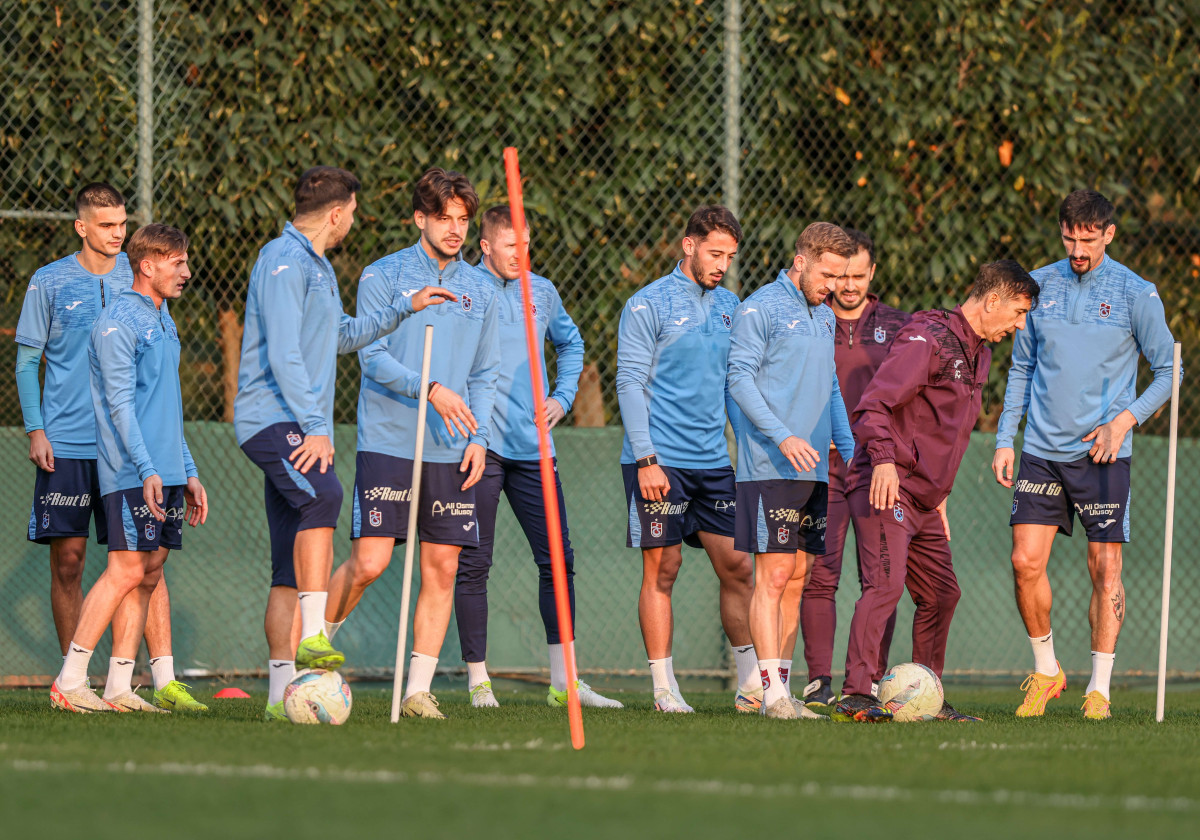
{"x": 747, "y": 346}
{"x": 1020, "y": 384}
{"x": 29, "y": 389}
{"x": 1154, "y": 339}
{"x": 375, "y": 293}
{"x": 481, "y": 381}
{"x": 843, "y": 439}
{"x": 282, "y": 311}
{"x": 637, "y": 339}
{"x": 568, "y": 345}
{"x": 115, "y": 350}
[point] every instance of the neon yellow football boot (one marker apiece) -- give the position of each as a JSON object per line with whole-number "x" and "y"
{"x": 274, "y": 712}
{"x": 1095, "y": 706}
{"x": 174, "y": 697}
{"x": 317, "y": 652}
{"x": 1039, "y": 689}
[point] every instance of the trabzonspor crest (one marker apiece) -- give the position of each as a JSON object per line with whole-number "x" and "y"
{"x": 880, "y": 335}
{"x": 1105, "y": 310}
{"x": 656, "y": 529}
{"x": 375, "y": 518}
{"x": 466, "y": 303}
{"x": 726, "y": 320}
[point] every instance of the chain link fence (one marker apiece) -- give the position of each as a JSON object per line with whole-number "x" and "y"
{"x": 948, "y": 131}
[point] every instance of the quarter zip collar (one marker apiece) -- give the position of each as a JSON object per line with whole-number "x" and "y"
{"x": 690, "y": 286}
{"x": 962, "y": 328}
{"x": 1095, "y": 274}
{"x": 148, "y": 302}
{"x": 290, "y": 230}
{"x": 499, "y": 281}
{"x": 794, "y": 291}
{"x": 431, "y": 265}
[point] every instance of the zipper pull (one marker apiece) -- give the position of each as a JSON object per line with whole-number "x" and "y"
{"x": 102, "y": 304}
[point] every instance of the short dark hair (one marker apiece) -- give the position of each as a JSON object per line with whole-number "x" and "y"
{"x": 438, "y": 187}
{"x": 322, "y": 187}
{"x": 495, "y": 220}
{"x": 822, "y": 237}
{"x": 97, "y": 194}
{"x": 1086, "y": 209}
{"x": 862, "y": 241}
{"x": 1007, "y": 279}
{"x": 154, "y": 240}
{"x": 712, "y": 217}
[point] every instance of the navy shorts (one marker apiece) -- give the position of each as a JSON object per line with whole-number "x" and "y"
{"x": 383, "y": 491}
{"x": 781, "y": 515}
{"x": 134, "y": 529}
{"x": 295, "y": 501}
{"x": 64, "y": 502}
{"x": 1052, "y": 492}
{"x": 699, "y": 500}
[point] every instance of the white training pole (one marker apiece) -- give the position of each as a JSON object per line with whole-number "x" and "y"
{"x": 1168, "y": 534}
{"x": 410, "y": 544}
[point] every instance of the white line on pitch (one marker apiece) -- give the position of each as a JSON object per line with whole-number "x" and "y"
{"x": 748, "y": 790}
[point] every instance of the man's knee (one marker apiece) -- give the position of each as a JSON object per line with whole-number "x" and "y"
{"x": 321, "y": 510}
{"x": 1104, "y": 566}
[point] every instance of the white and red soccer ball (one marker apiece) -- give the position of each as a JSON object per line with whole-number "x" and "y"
{"x": 911, "y": 692}
{"x": 317, "y": 696}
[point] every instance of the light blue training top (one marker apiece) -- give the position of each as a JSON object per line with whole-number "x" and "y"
{"x": 61, "y": 306}
{"x": 295, "y": 329}
{"x": 514, "y": 433}
{"x": 134, "y": 359}
{"x": 1074, "y": 366}
{"x": 782, "y": 375}
{"x": 466, "y": 356}
{"x": 672, "y": 349}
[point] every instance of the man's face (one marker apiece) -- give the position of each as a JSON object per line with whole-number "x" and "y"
{"x": 102, "y": 229}
{"x": 817, "y": 277}
{"x": 502, "y": 253}
{"x": 850, "y": 290}
{"x": 1085, "y": 246}
{"x": 342, "y": 219}
{"x": 709, "y": 258}
{"x": 445, "y": 232}
{"x": 1002, "y": 316}
{"x": 167, "y": 275}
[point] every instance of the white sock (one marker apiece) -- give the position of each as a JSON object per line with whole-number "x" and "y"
{"x": 420, "y": 673}
{"x": 280, "y": 673}
{"x": 558, "y": 666}
{"x": 1044, "y": 661}
{"x": 773, "y": 687}
{"x": 660, "y": 673}
{"x": 312, "y": 613}
{"x": 120, "y": 677}
{"x": 331, "y": 628}
{"x": 162, "y": 669}
{"x": 74, "y": 669}
{"x": 671, "y": 675}
{"x": 785, "y": 670}
{"x": 1102, "y": 665}
{"x": 476, "y": 673}
{"x": 746, "y": 661}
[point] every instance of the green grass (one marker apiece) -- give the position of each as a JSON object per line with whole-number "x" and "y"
{"x": 510, "y": 772}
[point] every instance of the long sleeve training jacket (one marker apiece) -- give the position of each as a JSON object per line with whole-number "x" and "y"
{"x": 919, "y": 409}
{"x": 1075, "y": 365}
{"x": 783, "y": 378}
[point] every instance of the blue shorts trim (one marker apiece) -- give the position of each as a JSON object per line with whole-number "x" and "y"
{"x": 383, "y": 495}
{"x": 698, "y": 500}
{"x": 139, "y": 530}
{"x": 65, "y": 502}
{"x": 1055, "y": 492}
{"x": 781, "y": 516}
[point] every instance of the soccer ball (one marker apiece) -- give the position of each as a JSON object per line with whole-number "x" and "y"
{"x": 911, "y": 692}
{"x": 316, "y": 696}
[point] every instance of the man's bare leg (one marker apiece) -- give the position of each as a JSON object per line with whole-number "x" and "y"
{"x": 439, "y": 567}
{"x": 67, "y": 555}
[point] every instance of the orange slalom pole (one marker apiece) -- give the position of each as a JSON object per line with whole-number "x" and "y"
{"x": 558, "y": 565}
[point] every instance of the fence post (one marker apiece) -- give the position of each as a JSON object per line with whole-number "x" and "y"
{"x": 733, "y": 120}
{"x": 145, "y": 103}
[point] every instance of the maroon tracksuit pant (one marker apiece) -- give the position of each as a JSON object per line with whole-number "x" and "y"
{"x": 902, "y": 547}
{"x": 818, "y": 609}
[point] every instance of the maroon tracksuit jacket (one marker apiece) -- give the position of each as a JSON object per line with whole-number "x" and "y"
{"x": 917, "y": 413}
{"x": 860, "y": 348}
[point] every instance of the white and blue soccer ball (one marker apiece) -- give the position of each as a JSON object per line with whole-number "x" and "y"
{"x": 317, "y": 696}
{"x": 911, "y": 692}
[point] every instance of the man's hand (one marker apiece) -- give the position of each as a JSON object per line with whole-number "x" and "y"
{"x": 153, "y": 496}
{"x": 431, "y": 296}
{"x": 652, "y": 481}
{"x": 40, "y": 450}
{"x": 474, "y": 460}
{"x": 1107, "y": 439}
{"x": 885, "y": 486}
{"x": 316, "y": 449}
{"x": 941, "y": 509}
{"x": 197, "y": 502}
{"x": 802, "y": 456}
{"x": 1002, "y": 465}
{"x": 453, "y": 411}
{"x": 554, "y": 412}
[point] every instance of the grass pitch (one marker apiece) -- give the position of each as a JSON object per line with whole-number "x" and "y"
{"x": 510, "y": 772}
